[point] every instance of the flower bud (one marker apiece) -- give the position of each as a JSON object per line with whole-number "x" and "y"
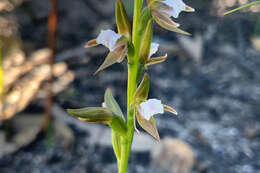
{"x": 123, "y": 24}
{"x": 146, "y": 42}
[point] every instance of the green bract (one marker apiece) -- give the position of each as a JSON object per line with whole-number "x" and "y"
{"x": 142, "y": 91}
{"x": 146, "y": 42}
{"x": 100, "y": 115}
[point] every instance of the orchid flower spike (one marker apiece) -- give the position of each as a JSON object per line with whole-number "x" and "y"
{"x": 163, "y": 10}
{"x": 116, "y": 43}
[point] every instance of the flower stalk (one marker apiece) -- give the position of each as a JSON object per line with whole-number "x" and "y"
{"x": 135, "y": 43}
{"x": 133, "y": 68}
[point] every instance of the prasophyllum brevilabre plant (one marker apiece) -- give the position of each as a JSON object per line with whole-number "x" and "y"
{"x": 135, "y": 43}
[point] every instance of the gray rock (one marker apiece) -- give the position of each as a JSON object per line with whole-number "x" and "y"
{"x": 174, "y": 155}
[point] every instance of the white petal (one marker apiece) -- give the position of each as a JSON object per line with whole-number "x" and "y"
{"x": 176, "y": 5}
{"x": 150, "y": 108}
{"x": 108, "y": 38}
{"x": 154, "y": 48}
{"x": 104, "y": 105}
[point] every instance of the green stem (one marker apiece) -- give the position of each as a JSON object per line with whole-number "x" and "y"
{"x": 243, "y": 6}
{"x": 133, "y": 70}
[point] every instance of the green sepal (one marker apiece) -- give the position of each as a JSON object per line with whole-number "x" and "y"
{"x": 165, "y": 22}
{"x": 111, "y": 103}
{"x": 148, "y": 125}
{"x": 91, "y": 43}
{"x": 155, "y": 60}
{"x": 142, "y": 91}
{"x": 117, "y": 56}
{"x": 92, "y": 114}
{"x": 170, "y": 109}
{"x": 146, "y": 42}
{"x": 122, "y": 21}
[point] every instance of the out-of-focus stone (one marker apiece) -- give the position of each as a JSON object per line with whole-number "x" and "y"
{"x": 26, "y": 128}
{"x": 6, "y": 147}
{"x": 173, "y": 155}
{"x": 256, "y": 42}
{"x": 63, "y": 135}
{"x": 252, "y": 132}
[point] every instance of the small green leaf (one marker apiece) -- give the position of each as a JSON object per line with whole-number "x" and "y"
{"x": 123, "y": 24}
{"x": 148, "y": 126}
{"x": 92, "y": 114}
{"x": 146, "y": 42}
{"x": 111, "y": 103}
{"x": 142, "y": 91}
{"x": 100, "y": 115}
{"x": 116, "y": 144}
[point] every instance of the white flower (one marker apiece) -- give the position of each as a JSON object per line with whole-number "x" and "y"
{"x": 104, "y": 105}
{"x": 108, "y": 38}
{"x": 154, "y": 48}
{"x": 176, "y": 7}
{"x": 150, "y": 107}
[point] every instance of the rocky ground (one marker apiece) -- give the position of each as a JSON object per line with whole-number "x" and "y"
{"x": 212, "y": 79}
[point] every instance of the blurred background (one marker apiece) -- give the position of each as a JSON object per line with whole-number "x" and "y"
{"x": 211, "y": 78}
